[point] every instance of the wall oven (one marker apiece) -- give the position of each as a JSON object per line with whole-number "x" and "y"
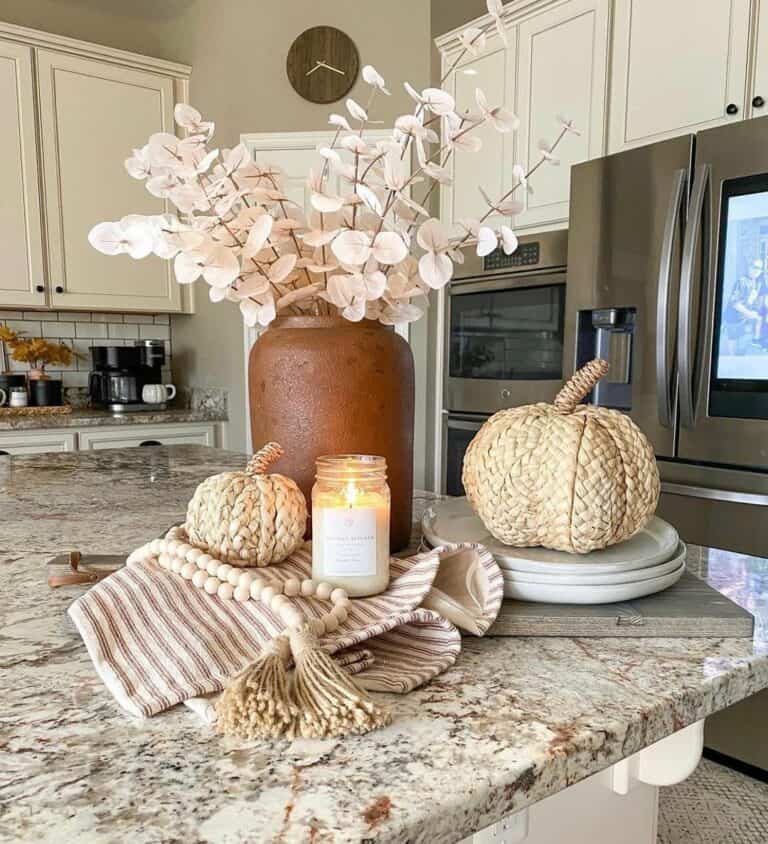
{"x": 504, "y": 339}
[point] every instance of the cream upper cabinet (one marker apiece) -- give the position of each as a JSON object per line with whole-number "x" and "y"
{"x": 92, "y": 114}
{"x": 758, "y": 96}
{"x": 562, "y": 67}
{"x": 22, "y": 280}
{"x": 677, "y": 67}
{"x": 491, "y": 168}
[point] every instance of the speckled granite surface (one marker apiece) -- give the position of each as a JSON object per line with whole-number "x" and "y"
{"x": 515, "y": 720}
{"x": 89, "y": 417}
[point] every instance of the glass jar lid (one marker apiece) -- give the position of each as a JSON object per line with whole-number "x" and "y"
{"x": 340, "y": 467}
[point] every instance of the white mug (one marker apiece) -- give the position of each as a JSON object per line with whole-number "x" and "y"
{"x": 18, "y": 397}
{"x": 3, "y": 397}
{"x": 157, "y": 393}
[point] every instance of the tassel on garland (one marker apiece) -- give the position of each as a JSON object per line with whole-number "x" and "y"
{"x": 257, "y": 702}
{"x": 322, "y": 701}
{"x": 328, "y": 701}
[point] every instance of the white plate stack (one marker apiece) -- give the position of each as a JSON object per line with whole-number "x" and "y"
{"x": 650, "y": 561}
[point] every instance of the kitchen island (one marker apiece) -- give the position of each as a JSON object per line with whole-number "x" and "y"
{"x": 513, "y": 722}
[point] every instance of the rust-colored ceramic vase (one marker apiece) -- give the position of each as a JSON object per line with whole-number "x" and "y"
{"x": 324, "y": 385}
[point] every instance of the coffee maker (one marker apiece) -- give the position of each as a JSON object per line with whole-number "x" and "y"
{"x": 119, "y": 373}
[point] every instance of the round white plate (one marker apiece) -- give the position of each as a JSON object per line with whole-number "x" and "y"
{"x": 453, "y": 521}
{"x": 607, "y": 578}
{"x": 607, "y": 594}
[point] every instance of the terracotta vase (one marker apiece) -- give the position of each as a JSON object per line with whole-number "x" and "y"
{"x": 324, "y": 385}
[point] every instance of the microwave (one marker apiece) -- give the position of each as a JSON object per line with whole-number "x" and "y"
{"x": 505, "y": 327}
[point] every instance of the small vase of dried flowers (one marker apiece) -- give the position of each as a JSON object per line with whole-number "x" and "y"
{"x": 38, "y": 353}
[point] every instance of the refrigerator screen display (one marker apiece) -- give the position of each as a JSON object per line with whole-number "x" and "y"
{"x": 742, "y": 347}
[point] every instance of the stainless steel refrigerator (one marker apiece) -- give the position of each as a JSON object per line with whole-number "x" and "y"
{"x": 668, "y": 279}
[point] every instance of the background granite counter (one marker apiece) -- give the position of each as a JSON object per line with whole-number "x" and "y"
{"x": 514, "y": 721}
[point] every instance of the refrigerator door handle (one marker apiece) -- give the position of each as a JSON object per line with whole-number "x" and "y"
{"x": 663, "y": 378}
{"x": 729, "y": 495}
{"x": 693, "y": 234}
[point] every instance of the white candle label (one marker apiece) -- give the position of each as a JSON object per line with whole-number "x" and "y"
{"x": 349, "y": 541}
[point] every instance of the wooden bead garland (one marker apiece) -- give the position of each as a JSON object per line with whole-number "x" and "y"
{"x": 318, "y": 699}
{"x": 231, "y": 583}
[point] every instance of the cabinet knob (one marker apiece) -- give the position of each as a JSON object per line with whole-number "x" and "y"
{"x": 758, "y": 102}
{"x": 59, "y": 288}
{"x": 40, "y": 288}
{"x": 731, "y": 108}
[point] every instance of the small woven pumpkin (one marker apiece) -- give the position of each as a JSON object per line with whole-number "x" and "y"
{"x": 248, "y": 518}
{"x": 567, "y": 476}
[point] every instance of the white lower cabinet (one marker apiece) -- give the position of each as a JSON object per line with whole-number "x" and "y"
{"x": 115, "y": 436}
{"x": 147, "y": 435}
{"x": 37, "y": 442}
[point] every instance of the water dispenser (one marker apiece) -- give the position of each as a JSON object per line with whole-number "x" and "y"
{"x": 609, "y": 333}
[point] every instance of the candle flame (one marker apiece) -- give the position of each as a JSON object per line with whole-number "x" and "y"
{"x": 350, "y": 493}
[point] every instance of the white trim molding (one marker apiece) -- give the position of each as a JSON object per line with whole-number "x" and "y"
{"x": 87, "y": 49}
{"x": 514, "y": 12}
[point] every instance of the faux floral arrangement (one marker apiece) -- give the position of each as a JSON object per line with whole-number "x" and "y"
{"x": 355, "y": 253}
{"x": 36, "y": 352}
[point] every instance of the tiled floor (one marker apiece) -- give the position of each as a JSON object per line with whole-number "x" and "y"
{"x": 715, "y": 805}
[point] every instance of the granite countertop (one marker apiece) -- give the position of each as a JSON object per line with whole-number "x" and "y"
{"x": 513, "y": 721}
{"x": 92, "y": 417}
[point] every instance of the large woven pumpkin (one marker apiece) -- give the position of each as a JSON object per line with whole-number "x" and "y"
{"x": 248, "y": 518}
{"x": 567, "y": 476}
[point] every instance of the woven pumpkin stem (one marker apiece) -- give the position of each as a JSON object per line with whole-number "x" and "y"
{"x": 579, "y": 385}
{"x": 264, "y": 458}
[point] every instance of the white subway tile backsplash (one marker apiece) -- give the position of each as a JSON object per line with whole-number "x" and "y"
{"x": 46, "y": 316}
{"x": 58, "y": 329}
{"x": 94, "y": 330}
{"x": 24, "y": 326}
{"x": 126, "y": 332}
{"x": 155, "y": 332}
{"x": 81, "y": 330}
{"x": 75, "y": 378}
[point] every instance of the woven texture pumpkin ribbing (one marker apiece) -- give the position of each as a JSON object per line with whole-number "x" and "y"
{"x": 248, "y": 518}
{"x": 565, "y": 476}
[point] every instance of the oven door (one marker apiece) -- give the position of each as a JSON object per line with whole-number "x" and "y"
{"x": 458, "y": 432}
{"x": 505, "y": 342}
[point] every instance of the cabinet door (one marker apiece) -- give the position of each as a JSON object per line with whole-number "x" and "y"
{"x": 36, "y": 442}
{"x": 491, "y": 167}
{"x": 677, "y": 67}
{"x": 562, "y": 68}
{"x": 22, "y": 272}
{"x": 759, "y": 94}
{"x": 123, "y": 436}
{"x": 91, "y": 115}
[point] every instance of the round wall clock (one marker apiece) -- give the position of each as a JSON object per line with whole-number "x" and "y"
{"x": 322, "y": 64}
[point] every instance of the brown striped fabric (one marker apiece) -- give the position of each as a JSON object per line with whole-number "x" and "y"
{"x": 156, "y": 640}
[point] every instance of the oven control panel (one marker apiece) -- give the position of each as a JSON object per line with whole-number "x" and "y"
{"x": 526, "y": 254}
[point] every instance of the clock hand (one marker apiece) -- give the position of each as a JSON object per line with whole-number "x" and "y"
{"x": 331, "y": 67}
{"x": 317, "y": 66}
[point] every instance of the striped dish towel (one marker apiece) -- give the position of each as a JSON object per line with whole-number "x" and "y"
{"x": 156, "y": 640}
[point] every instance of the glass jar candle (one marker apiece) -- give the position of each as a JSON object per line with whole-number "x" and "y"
{"x": 350, "y": 523}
